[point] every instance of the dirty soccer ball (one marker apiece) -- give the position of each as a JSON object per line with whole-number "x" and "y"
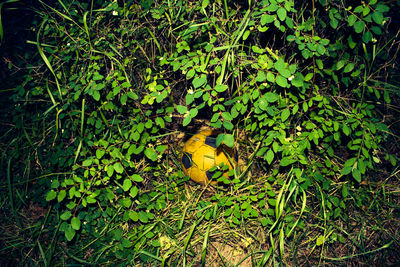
{"x": 200, "y": 156}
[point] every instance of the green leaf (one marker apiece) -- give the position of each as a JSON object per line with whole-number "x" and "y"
{"x": 346, "y": 130}
{"x": 280, "y": 65}
{"x": 261, "y": 77}
{"x": 285, "y": 114}
{"x": 295, "y": 109}
{"x": 229, "y": 140}
{"x": 96, "y": 96}
{"x": 143, "y": 217}
{"x": 61, "y": 195}
{"x": 140, "y": 127}
{"x": 110, "y": 170}
{"x": 90, "y": 200}
{"x": 285, "y": 73}
{"x": 126, "y": 85}
{"x": 361, "y": 166}
{"x": 270, "y": 156}
{"x": 205, "y": 3}
{"x": 334, "y": 23}
{"x": 377, "y": 17}
{"x": 270, "y": 77}
{"x": 221, "y": 88}
{"x": 126, "y": 202}
{"x": 321, "y": 50}
{"x": 69, "y": 233}
{"x": 228, "y": 125}
{"x": 335, "y": 126}
{"x": 345, "y": 191}
{"x": 193, "y": 112}
{"x": 199, "y": 81}
{"x": 227, "y": 116}
{"x": 366, "y": 10}
{"x": 286, "y": 161}
{"x": 281, "y": 81}
{"x": 51, "y": 195}
{"x": 97, "y": 76}
{"x": 151, "y": 153}
{"x": 123, "y": 99}
{"x": 181, "y": 109}
{"x": 186, "y": 120}
{"x": 76, "y": 223}
{"x": 137, "y": 178}
{"x": 265, "y": 19}
{"x": 228, "y": 212}
{"x": 189, "y": 98}
{"x": 271, "y": 97}
{"x": 132, "y": 95}
{"x": 127, "y": 184}
{"x": 134, "y": 191}
{"x": 160, "y": 122}
{"x": 66, "y": 215}
{"x": 161, "y": 148}
{"x": 359, "y": 26}
{"x": 305, "y": 106}
{"x": 351, "y": 20}
{"x": 346, "y": 170}
{"x": 350, "y": 162}
{"x": 245, "y": 35}
{"x": 219, "y": 139}
{"x": 190, "y": 74}
{"x": 356, "y": 174}
{"x": 133, "y": 215}
{"x": 349, "y": 67}
{"x": 87, "y": 162}
{"x": 367, "y": 37}
{"x": 118, "y": 167}
{"x": 263, "y": 104}
{"x": 148, "y": 124}
{"x": 298, "y": 81}
{"x": 55, "y": 184}
{"x": 100, "y": 153}
{"x": 320, "y": 240}
{"x": 340, "y": 64}
{"x": 281, "y": 13}
{"x": 308, "y": 77}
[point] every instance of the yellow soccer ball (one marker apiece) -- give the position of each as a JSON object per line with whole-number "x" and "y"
{"x": 200, "y": 154}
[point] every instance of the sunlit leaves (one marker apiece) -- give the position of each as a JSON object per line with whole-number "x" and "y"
{"x": 66, "y": 215}
{"x": 100, "y": 153}
{"x": 270, "y": 156}
{"x": 69, "y": 233}
{"x": 281, "y": 81}
{"x": 51, "y": 195}
{"x": 266, "y": 19}
{"x": 118, "y": 167}
{"x": 136, "y": 178}
{"x": 281, "y": 12}
{"x": 127, "y": 184}
{"x": 377, "y": 17}
{"x": 359, "y": 26}
{"x": 76, "y": 223}
{"x": 285, "y": 114}
{"x": 181, "y": 109}
{"x": 151, "y": 154}
{"x": 199, "y": 81}
{"x": 226, "y": 139}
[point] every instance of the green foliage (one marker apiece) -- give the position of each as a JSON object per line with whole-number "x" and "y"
{"x": 307, "y": 85}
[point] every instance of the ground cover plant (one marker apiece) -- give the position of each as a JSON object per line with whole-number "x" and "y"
{"x": 99, "y": 97}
